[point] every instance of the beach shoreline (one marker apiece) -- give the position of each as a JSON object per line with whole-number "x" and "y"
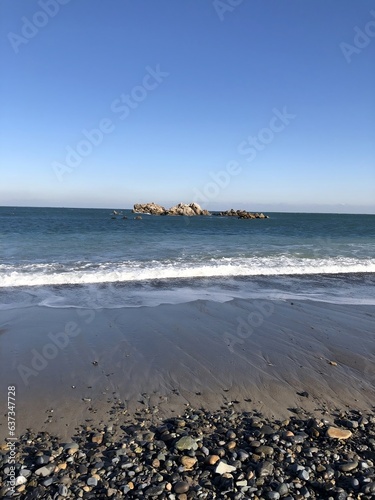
{"x": 72, "y": 365}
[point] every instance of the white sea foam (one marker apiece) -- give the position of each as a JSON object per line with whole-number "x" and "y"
{"x": 86, "y": 273}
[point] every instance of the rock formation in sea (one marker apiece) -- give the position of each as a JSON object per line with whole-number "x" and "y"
{"x": 150, "y": 208}
{"x": 191, "y": 210}
{"x": 242, "y": 214}
{"x": 180, "y": 209}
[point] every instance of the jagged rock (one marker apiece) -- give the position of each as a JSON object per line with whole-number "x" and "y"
{"x": 243, "y": 214}
{"x": 149, "y": 208}
{"x": 180, "y": 209}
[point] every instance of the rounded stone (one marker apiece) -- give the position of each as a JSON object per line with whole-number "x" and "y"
{"x": 181, "y": 487}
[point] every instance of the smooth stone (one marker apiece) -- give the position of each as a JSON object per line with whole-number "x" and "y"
{"x": 350, "y": 424}
{"x": 92, "y": 481}
{"x": 272, "y": 495}
{"x": 297, "y": 439}
{"x": 212, "y": 459}
{"x": 337, "y": 433}
{"x": 63, "y": 490}
{"x": 44, "y": 459}
{"x": 155, "y": 490}
{"x": 97, "y": 438}
{"x": 25, "y": 472}
{"x": 231, "y": 445}
{"x": 46, "y": 470}
{"x": 265, "y": 469}
{"x": 303, "y": 474}
{"x": 186, "y": 443}
{"x": 205, "y": 451}
{"x": 188, "y": 462}
{"x": 267, "y": 430}
{"x": 283, "y": 489}
{"x": 20, "y": 480}
{"x": 266, "y": 450}
{"x": 242, "y": 483}
{"x": 348, "y": 466}
{"x": 181, "y": 487}
{"x": 149, "y": 436}
{"x": 242, "y": 455}
{"x": 223, "y": 468}
{"x": 369, "y": 488}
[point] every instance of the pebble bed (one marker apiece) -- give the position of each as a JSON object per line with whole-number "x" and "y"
{"x": 201, "y": 454}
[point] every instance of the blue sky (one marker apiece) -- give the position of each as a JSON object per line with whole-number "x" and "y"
{"x": 259, "y": 104}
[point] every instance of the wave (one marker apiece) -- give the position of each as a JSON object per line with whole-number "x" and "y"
{"x": 81, "y": 273}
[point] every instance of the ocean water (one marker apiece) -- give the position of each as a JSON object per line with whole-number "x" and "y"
{"x": 61, "y": 257}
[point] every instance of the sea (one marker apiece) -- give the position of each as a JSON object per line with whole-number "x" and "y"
{"x": 91, "y": 258}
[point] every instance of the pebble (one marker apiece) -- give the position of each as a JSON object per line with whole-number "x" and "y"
{"x": 155, "y": 490}
{"x": 20, "y": 480}
{"x": 188, "y": 462}
{"x": 92, "y": 481}
{"x": 71, "y": 448}
{"x": 46, "y": 470}
{"x": 202, "y": 455}
{"x": 303, "y": 474}
{"x": 337, "y": 433}
{"x": 265, "y": 450}
{"x": 63, "y": 490}
{"x": 223, "y": 468}
{"x": 186, "y": 443}
{"x": 272, "y": 495}
{"x": 97, "y": 438}
{"x": 212, "y": 459}
{"x": 265, "y": 469}
{"x": 181, "y": 487}
{"x": 348, "y": 466}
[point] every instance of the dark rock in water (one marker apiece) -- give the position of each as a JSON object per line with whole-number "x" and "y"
{"x": 138, "y": 217}
{"x": 243, "y": 214}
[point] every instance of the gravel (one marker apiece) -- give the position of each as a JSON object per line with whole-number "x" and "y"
{"x": 200, "y": 455}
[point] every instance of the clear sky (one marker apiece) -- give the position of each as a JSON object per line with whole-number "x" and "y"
{"x": 258, "y": 104}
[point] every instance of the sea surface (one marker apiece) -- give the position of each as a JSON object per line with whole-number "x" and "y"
{"x": 62, "y": 257}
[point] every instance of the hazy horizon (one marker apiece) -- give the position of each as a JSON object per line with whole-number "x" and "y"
{"x": 275, "y": 209}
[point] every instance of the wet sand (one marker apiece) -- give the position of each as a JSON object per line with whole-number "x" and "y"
{"x": 72, "y": 365}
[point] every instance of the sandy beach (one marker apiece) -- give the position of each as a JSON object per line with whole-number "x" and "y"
{"x": 71, "y": 365}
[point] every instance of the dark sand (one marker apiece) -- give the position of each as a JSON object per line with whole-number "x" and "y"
{"x": 257, "y": 354}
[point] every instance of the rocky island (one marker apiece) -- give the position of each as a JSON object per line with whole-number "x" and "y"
{"x": 192, "y": 209}
{"x": 242, "y": 214}
{"x": 180, "y": 209}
